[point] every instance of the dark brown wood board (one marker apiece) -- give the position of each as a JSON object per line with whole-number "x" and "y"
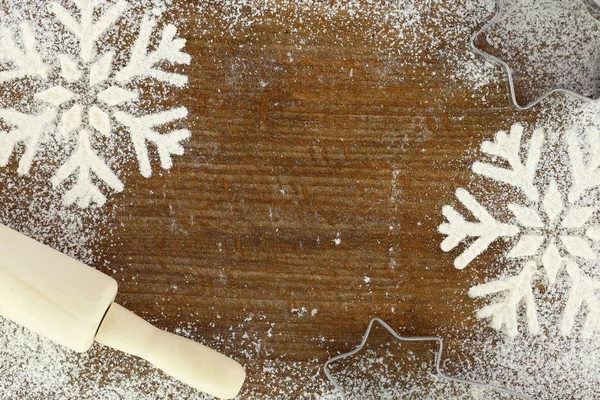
{"x": 309, "y": 196}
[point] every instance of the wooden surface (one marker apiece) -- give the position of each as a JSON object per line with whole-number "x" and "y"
{"x": 289, "y": 154}
{"x": 286, "y": 156}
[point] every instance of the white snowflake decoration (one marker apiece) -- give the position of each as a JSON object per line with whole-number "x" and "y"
{"x": 552, "y": 230}
{"x": 65, "y": 112}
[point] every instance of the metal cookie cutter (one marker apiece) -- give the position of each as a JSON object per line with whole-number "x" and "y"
{"x": 594, "y": 6}
{"x": 438, "y": 359}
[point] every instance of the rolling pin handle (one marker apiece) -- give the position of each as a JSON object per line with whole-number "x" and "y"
{"x": 185, "y": 360}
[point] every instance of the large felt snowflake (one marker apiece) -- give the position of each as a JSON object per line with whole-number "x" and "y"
{"x": 85, "y": 98}
{"x": 552, "y": 229}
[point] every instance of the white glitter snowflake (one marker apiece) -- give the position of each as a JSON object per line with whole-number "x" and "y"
{"x": 85, "y": 97}
{"x": 553, "y": 231}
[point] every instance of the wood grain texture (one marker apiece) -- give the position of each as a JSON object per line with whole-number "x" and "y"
{"x": 287, "y": 155}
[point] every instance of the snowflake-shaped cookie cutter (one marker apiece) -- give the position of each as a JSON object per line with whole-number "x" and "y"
{"x": 498, "y": 15}
{"x": 438, "y": 360}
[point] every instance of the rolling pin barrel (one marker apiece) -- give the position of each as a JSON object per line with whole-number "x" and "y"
{"x": 66, "y": 301}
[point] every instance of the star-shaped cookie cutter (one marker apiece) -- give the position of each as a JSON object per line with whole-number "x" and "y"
{"x": 499, "y": 14}
{"x": 438, "y": 360}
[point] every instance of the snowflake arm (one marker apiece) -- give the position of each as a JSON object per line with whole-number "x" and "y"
{"x": 143, "y": 64}
{"x": 552, "y": 262}
{"x": 504, "y": 313}
{"x": 27, "y": 61}
{"x": 85, "y": 75}
{"x": 507, "y": 146}
{"x": 527, "y": 246}
{"x": 487, "y": 229}
{"x": 584, "y": 176}
{"x": 29, "y": 129}
{"x": 141, "y": 131}
{"x": 83, "y": 162}
{"x": 593, "y": 233}
{"x": 582, "y": 292}
{"x": 86, "y": 30}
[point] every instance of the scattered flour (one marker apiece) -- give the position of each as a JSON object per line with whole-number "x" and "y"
{"x": 544, "y": 285}
{"x": 387, "y": 368}
{"x": 74, "y": 79}
{"x": 337, "y": 239}
{"x": 554, "y": 226}
{"x": 402, "y": 34}
{"x": 32, "y": 368}
{"x": 547, "y": 44}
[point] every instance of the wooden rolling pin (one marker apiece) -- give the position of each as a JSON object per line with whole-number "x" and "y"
{"x": 70, "y": 303}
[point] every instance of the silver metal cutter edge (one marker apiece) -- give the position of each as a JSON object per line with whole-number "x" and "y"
{"x": 438, "y": 360}
{"x": 511, "y": 86}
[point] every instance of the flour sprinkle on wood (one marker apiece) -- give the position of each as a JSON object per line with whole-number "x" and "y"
{"x": 85, "y": 92}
